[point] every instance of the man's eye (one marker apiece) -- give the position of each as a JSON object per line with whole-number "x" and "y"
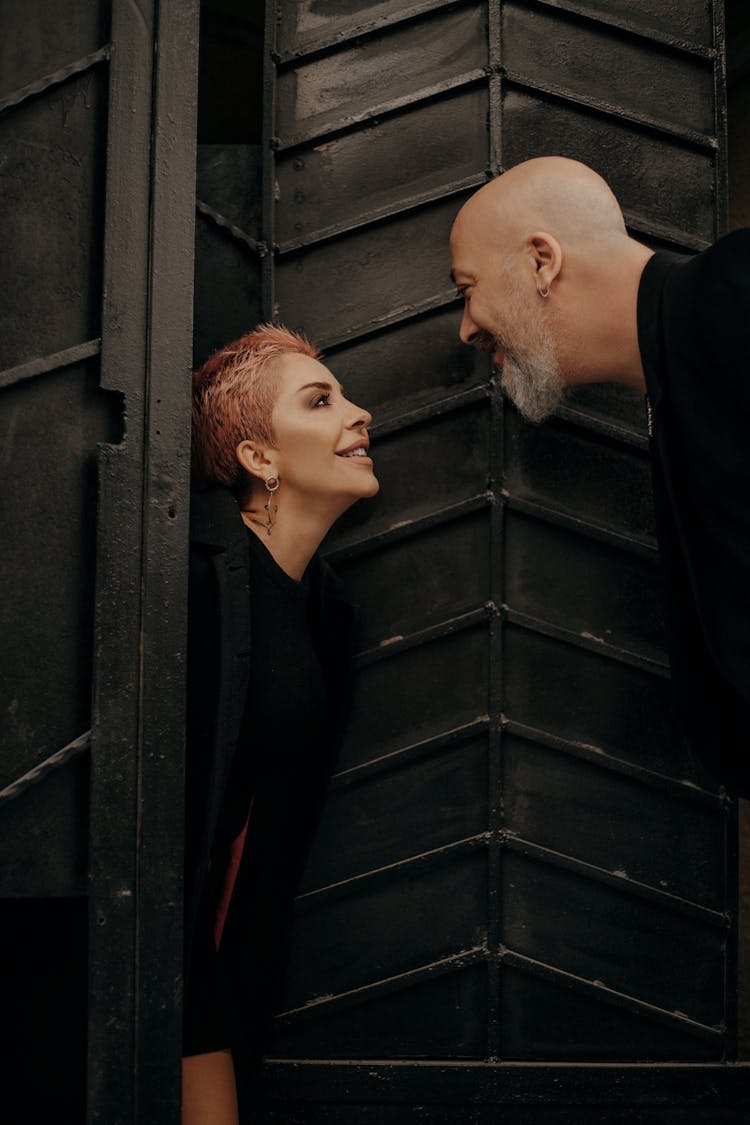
{"x": 322, "y": 400}
{"x": 462, "y": 292}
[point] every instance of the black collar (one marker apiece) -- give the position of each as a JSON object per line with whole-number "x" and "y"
{"x": 215, "y": 519}
{"x": 216, "y": 523}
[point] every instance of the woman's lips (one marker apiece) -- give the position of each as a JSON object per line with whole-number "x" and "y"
{"x": 356, "y": 458}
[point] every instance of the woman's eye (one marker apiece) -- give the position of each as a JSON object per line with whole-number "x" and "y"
{"x": 322, "y": 400}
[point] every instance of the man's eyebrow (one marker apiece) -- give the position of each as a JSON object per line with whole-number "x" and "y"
{"x": 453, "y": 277}
{"x": 320, "y": 387}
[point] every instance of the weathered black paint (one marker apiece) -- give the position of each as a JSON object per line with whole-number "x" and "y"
{"x": 513, "y": 849}
{"x": 99, "y": 138}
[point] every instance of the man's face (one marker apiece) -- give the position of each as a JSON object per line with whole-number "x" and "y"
{"x": 505, "y": 315}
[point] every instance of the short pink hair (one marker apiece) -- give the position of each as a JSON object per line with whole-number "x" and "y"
{"x": 234, "y": 397}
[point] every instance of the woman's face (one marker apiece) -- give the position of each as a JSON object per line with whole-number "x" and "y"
{"x": 321, "y": 438}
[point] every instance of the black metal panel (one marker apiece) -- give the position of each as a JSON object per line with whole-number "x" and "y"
{"x": 593, "y": 589}
{"x": 54, "y": 239}
{"x": 591, "y": 699}
{"x": 394, "y": 67}
{"x": 322, "y": 186}
{"x": 310, "y": 24}
{"x": 420, "y": 581}
{"x": 96, "y": 812}
{"x": 55, "y": 811}
{"x": 663, "y": 183}
{"x": 227, "y": 269}
{"x": 577, "y": 922}
{"x": 595, "y": 62}
{"x": 52, "y": 415}
{"x": 611, "y": 403}
{"x": 587, "y": 1026}
{"x": 409, "y": 365}
{"x": 574, "y": 474}
{"x": 381, "y": 815}
{"x": 581, "y": 805}
{"x": 379, "y": 923}
{"x": 398, "y": 266}
{"x": 385, "y": 720}
{"x": 49, "y": 428}
{"x": 44, "y": 941}
{"x": 457, "y": 1001}
{"x": 41, "y": 43}
{"x": 358, "y": 1114}
{"x": 511, "y": 710}
{"x": 682, "y": 21}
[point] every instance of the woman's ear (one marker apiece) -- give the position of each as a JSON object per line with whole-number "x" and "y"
{"x": 256, "y": 459}
{"x": 546, "y": 256}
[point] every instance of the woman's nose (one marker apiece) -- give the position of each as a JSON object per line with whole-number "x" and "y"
{"x": 468, "y": 330}
{"x": 360, "y": 418}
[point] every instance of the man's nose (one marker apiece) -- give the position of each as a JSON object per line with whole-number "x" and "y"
{"x": 468, "y": 330}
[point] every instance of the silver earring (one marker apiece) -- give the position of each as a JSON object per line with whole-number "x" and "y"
{"x": 542, "y": 292}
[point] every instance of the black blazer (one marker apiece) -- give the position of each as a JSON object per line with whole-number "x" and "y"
{"x": 694, "y": 336}
{"x": 219, "y": 647}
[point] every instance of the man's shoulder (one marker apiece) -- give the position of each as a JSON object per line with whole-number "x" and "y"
{"x": 707, "y": 296}
{"x": 727, "y": 259}
{"x": 735, "y": 243}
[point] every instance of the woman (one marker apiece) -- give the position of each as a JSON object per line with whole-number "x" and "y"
{"x": 280, "y": 454}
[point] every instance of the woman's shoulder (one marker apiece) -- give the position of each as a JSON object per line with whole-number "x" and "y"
{"x": 215, "y": 520}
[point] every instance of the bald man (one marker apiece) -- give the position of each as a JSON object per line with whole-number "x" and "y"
{"x": 559, "y": 294}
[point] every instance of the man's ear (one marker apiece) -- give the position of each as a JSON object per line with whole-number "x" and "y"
{"x": 545, "y": 253}
{"x": 256, "y": 459}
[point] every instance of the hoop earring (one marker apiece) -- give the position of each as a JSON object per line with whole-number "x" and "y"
{"x": 543, "y": 292}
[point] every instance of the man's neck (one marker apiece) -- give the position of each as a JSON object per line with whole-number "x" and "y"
{"x": 603, "y": 346}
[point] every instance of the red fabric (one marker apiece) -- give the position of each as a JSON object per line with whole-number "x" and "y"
{"x": 225, "y": 898}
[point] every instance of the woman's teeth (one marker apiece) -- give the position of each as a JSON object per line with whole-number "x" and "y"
{"x": 361, "y": 452}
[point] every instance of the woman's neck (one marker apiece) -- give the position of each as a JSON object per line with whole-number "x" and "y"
{"x": 295, "y": 534}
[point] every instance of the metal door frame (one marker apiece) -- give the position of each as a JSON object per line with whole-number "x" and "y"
{"x": 140, "y": 627}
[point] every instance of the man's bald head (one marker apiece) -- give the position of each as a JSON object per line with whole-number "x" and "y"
{"x": 548, "y": 274}
{"x": 563, "y": 197}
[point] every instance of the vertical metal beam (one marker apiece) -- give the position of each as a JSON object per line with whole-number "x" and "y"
{"x": 495, "y": 101}
{"x": 497, "y": 583}
{"x": 721, "y": 195}
{"x": 164, "y": 578}
{"x": 115, "y": 731}
{"x": 136, "y": 791}
{"x": 721, "y": 168}
{"x": 269, "y": 144}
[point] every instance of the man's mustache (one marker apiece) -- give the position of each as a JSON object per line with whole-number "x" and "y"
{"x": 486, "y": 342}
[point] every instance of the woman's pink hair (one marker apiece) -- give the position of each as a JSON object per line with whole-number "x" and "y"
{"x": 233, "y": 399}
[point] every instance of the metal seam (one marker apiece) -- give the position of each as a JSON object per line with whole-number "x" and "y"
{"x": 38, "y": 773}
{"x": 231, "y": 228}
{"x": 17, "y": 97}
{"x": 44, "y": 365}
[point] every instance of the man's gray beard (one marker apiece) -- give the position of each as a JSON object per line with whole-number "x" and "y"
{"x": 533, "y": 381}
{"x": 531, "y": 373}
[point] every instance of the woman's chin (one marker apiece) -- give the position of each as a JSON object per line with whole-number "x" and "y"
{"x": 372, "y": 487}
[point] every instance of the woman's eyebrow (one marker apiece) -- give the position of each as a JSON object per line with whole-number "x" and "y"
{"x": 320, "y": 386}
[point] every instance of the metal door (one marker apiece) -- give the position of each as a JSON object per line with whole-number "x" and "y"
{"x": 97, "y": 170}
{"x": 517, "y": 874}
